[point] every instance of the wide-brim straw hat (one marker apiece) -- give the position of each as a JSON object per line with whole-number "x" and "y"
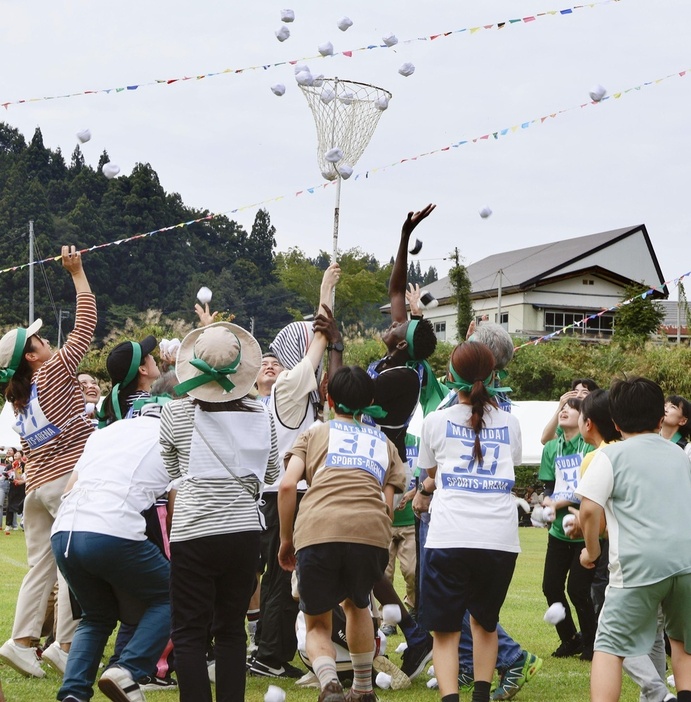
{"x": 218, "y": 348}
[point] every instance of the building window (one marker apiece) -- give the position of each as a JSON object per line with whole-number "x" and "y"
{"x": 504, "y": 321}
{"x": 588, "y": 281}
{"x": 558, "y": 319}
{"x": 440, "y": 330}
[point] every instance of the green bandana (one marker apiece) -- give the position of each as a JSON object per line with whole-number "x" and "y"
{"x": 459, "y": 383}
{"x": 115, "y": 392}
{"x": 19, "y": 343}
{"x": 374, "y": 411}
{"x": 409, "y": 334}
{"x": 210, "y": 375}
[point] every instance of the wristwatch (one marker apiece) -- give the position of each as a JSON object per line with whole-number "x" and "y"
{"x": 336, "y": 346}
{"x": 422, "y": 491}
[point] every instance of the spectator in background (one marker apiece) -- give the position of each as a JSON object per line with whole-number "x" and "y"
{"x": 580, "y": 387}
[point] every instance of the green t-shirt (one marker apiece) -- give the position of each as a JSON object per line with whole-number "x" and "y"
{"x": 561, "y": 462}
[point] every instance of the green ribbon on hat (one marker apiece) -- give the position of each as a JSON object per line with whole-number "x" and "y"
{"x": 374, "y": 411}
{"x": 17, "y": 354}
{"x": 211, "y": 374}
{"x": 459, "y": 383}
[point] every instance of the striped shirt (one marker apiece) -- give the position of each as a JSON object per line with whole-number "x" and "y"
{"x": 62, "y": 401}
{"x": 208, "y": 506}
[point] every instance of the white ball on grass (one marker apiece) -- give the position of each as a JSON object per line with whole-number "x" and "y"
{"x": 555, "y": 613}
{"x": 383, "y": 681}
{"x": 401, "y": 647}
{"x": 275, "y": 694}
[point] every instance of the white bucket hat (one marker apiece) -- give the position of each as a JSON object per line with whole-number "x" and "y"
{"x": 12, "y": 349}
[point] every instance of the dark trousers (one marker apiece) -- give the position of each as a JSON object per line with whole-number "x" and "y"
{"x": 562, "y": 563}
{"x": 275, "y": 637}
{"x": 211, "y": 581}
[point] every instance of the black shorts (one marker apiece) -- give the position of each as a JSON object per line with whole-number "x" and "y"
{"x": 330, "y": 573}
{"x": 460, "y": 579}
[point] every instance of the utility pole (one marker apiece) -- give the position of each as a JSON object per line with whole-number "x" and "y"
{"x": 499, "y": 298}
{"x": 62, "y": 314}
{"x": 31, "y": 271}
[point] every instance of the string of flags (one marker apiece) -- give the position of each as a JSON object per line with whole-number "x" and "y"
{"x": 386, "y": 44}
{"x": 583, "y": 322}
{"x": 311, "y": 190}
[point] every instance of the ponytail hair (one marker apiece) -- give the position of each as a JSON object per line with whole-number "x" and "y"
{"x": 471, "y": 370}
{"x": 18, "y": 389}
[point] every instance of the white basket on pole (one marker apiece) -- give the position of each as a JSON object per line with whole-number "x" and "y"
{"x": 346, "y": 113}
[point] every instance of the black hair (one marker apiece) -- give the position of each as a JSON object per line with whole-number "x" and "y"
{"x": 424, "y": 340}
{"x": 351, "y": 387}
{"x": 574, "y": 402}
{"x": 595, "y": 407}
{"x": 239, "y": 405}
{"x": 586, "y": 383}
{"x": 18, "y": 389}
{"x": 107, "y": 408}
{"x": 685, "y": 406}
{"x": 637, "y": 405}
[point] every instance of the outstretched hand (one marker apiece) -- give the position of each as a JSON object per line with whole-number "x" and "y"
{"x": 414, "y": 218}
{"x": 71, "y": 259}
{"x": 412, "y": 297}
{"x": 205, "y": 316}
{"x": 325, "y": 323}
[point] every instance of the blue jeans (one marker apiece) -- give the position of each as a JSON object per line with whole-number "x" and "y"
{"x": 509, "y": 651}
{"x": 95, "y": 564}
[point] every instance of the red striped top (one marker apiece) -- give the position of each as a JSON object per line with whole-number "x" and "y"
{"x": 62, "y": 401}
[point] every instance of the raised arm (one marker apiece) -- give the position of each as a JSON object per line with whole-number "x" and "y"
{"x": 399, "y": 274}
{"x": 315, "y": 352}
{"x": 72, "y": 263}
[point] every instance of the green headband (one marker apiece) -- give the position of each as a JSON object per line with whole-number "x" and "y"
{"x": 17, "y": 353}
{"x": 374, "y": 411}
{"x": 115, "y": 392}
{"x": 210, "y": 374}
{"x": 409, "y": 334}
{"x": 459, "y": 383}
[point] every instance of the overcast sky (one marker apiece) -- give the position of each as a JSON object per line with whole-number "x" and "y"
{"x": 227, "y": 142}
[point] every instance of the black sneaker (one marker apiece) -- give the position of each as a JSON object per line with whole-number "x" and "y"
{"x": 415, "y": 658}
{"x": 152, "y": 683}
{"x": 569, "y": 648}
{"x": 257, "y": 667}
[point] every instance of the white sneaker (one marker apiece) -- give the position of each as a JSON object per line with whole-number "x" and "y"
{"x": 23, "y": 660}
{"x": 55, "y": 657}
{"x": 211, "y": 667}
{"x": 117, "y": 684}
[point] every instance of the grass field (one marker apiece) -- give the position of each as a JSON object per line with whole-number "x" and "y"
{"x": 559, "y": 680}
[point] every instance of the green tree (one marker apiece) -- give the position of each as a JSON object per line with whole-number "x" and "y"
{"x": 639, "y": 317}
{"x": 458, "y": 276}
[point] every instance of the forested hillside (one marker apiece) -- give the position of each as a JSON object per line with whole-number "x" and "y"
{"x": 72, "y": 203}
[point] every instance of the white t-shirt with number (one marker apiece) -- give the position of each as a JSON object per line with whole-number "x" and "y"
{"x": 472, "y": 505}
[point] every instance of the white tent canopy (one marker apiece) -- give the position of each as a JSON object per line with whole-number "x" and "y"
{"x": 8, "y": 436}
